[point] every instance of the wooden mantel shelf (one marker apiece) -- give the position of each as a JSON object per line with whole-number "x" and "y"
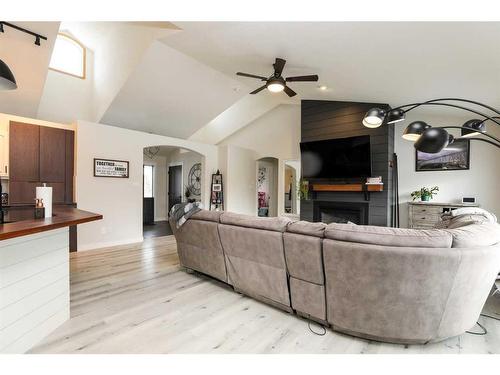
{"x": 347, "y": 187}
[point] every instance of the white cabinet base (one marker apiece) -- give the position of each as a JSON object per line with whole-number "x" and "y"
{"x": 34, "y": 288}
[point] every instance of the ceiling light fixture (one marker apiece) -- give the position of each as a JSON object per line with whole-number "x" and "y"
{"x": 7, "y": 80}
{"x": 323, "y": 87}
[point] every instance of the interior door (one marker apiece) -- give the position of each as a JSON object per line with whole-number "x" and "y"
{"x": 174, "y": 185}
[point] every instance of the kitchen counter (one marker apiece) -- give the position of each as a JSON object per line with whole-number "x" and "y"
{"x": 63, "y": 216}
{"x": 34, "y": 275}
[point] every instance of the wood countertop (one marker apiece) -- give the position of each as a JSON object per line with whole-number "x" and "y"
{"x": 62, "y": 217}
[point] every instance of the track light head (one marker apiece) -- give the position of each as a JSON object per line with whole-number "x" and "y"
{"x": 395, "y": 115}
{"x": 374, "y": 118}
{"x": 415, "y": 130}
{"x": 1, "y": 27}
{"x": 37, "y": 40}
{"x": 433, "y": 140}
{"x": 473, "y": 127}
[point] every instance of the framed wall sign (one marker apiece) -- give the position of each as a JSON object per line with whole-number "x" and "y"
{"x": 454, "y": 157}
{"x": 110, "y": 168}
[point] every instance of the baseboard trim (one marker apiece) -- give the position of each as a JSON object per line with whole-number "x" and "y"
{"x": 100, "y": 245}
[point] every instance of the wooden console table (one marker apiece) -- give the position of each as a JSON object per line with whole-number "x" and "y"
{"x": 425, "y": 215}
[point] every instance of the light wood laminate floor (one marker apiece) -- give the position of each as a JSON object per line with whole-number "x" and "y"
{"x": 136, "y": 299}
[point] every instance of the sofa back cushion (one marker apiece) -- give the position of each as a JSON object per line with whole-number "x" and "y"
{"x": 276, "y": 224}
{"x": 307, "y": 228}
{"x": 476, "y": 235}
{"x": 255, "y": 262}
{"x": 396, "y": 237}
{"x": 207, "y": 215}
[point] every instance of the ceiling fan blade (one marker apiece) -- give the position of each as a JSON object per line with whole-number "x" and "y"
{"x": 312, "y": 78}
{"x": 278, "y": 66}
{"x": 258, "y": 90}
{"x": 251, "y": 76}
{"x": 289, "y": 91}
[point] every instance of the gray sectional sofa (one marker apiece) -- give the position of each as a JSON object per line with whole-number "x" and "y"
{"x": 394, "y": 285}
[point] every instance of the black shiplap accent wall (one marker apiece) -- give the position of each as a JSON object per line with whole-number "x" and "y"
{"x": 322, "y": 120}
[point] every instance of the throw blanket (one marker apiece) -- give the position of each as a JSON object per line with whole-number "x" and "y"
{"x": 465, "y": 216}
{"x": 183, "y": 211}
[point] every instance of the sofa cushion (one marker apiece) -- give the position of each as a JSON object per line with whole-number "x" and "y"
{"x": 476, "y": 235}
{"x": 397, "y": 237}
{"x": 304, "y": 257}
{"x": 207, "y": 215}
{"x": 307, "y": 228}
{"x": 277, "y": 224}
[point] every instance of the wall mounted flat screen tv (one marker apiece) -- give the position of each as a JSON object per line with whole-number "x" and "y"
{"x": 336, "y": 158}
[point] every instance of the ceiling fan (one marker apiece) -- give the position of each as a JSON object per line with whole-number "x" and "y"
{"x": 276, "y": 82}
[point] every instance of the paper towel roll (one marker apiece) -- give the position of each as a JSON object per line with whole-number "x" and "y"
{"x": 45, "y": 193}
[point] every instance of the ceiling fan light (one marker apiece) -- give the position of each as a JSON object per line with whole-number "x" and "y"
{"x": 7, "y": 80}
{"x": 413, "y": 131}
{"x": 433, "y": 140}
{"x": 275, "y": 87}
{"x": 374, "y": 118}
{"x": 472, "y": 128}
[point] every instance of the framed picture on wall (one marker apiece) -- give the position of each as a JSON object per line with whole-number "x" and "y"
{"x": 111, "y": 168}
{"x": 455, "y": 157}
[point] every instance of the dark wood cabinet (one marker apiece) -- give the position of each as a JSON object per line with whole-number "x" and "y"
{"x": 37, "y": 155}
{"x": 24, "y": 152}
{"x": 52, "y": 154}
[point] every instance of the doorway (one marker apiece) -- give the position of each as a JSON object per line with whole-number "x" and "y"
{"x": 267, "y": 187}
{"x": 174, "y": 185}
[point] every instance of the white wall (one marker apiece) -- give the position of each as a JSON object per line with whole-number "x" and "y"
{"x": 120, "y": 200}
{"x": 238, "y": 168}
{"x": 481, "y": 180}
{"x": 275, "y": 134}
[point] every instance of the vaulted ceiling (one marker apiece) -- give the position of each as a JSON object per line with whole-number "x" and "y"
{"x": 179, "y": 79}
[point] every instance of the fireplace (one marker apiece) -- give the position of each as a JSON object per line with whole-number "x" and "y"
{"x": 340, "y": 212}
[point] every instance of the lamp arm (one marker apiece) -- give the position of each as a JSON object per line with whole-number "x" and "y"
{"x": 485, "y": 134}
{"x": 493, "y": 117}
{"x": 415, "y": 105}
{"x": 485, "y": 140}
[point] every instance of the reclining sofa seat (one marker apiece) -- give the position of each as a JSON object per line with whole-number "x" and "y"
{"x": 255, "y": 257}
{"x": 199, "y": 246}
{"x": 304, "y": 258}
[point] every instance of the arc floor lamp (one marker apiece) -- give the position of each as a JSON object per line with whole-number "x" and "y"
{"x": 433, "y": 139}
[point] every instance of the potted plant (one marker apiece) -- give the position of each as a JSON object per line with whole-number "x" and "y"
{"x": 303, "y": 189}
{"x": 425, "y": 194}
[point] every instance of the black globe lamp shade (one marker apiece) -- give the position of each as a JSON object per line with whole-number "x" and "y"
{"x": 7, "y": 80}
{"x": 415, "y": 130}
{"x": 432, "y": 140}
{"x": 374, "y": 118}
{"x": 473, "y": 127}
{"x": 395, "y": 115}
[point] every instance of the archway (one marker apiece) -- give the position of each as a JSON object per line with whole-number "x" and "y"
{"x": 171, "y": 175}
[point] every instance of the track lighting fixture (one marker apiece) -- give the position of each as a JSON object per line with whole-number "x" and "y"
{"x": 18, "y": 28}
